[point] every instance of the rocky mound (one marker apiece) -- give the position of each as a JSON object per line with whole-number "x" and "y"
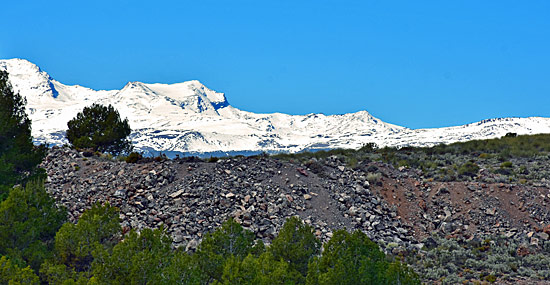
{"x": 190, "y": 198}
{"x": 450, "y": 232}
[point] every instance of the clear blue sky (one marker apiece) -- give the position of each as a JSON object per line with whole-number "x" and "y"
{"x": 413, "y": 63}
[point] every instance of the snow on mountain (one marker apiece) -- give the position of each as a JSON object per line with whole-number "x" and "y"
{"x": 190, "y": 118}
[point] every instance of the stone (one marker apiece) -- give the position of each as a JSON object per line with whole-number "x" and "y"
{"x": 178, "y": 238}
{"x": 302, "y": 171}
{"x": 289, "y": 198}
{"x": 442, "y": 190}
{"x": 534, "y": 241}
{"x": 352, "y": 211}
{"x": 379, "y": 227}
{"x": 307, "y": 196}
{"x": 120, "y": 193}
{"x": 430, "y": 243}
{"x": 176, "y": 194}
{"x": 191, "y": 245}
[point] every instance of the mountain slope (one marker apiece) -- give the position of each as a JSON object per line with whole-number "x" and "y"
{"x": 190, "y": 118}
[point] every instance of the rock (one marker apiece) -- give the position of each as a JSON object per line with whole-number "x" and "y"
{"x": 176, "y": 194}
{"x": 447, "y": 213}
{"x": 192, "y": 245}
{"x": 120, "y": 193}
{"x": 178, "y": 238}
{"x": 302, "y": 171}
{"x": 442, "y": 190}
{"x": 430, "y": 243}
{"x": 307, "y": 196}
{"x": 534, "y": 241}
{"x": 289, "y": 198}
{"x": 491, "y": 211}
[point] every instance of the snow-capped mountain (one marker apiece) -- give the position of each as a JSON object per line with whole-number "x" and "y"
{"x": 190, "y": 118}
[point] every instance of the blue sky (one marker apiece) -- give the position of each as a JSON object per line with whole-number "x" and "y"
{"x": 412, "y": 63}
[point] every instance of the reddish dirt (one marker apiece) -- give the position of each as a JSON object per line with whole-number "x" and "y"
{"x": 512, "y": 204}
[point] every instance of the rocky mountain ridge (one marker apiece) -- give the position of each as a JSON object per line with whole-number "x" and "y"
{"x": 189, "y": 118}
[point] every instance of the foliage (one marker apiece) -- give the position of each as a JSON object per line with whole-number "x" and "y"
{"x": 18, "y": 156}
{"x": 29, "y": 220}
{"x": 373, "y": 178}
{"x": 184, "y": 269}
{"x": 496, "y": 257}
{"x": 97, "y": 228}
{"x": 352, "y": 258}
{"x": 506, "y": 164}
{"x": 140, "y": 258}
{"x": 100, "y": 128}
{"x": 99, "y": 225}
{"x": 296, "y": 244}
{"x": 469, "y": 168}
{"x": 134, "y": 157}
{"x": 514, "y": 158}
{"x": 264, "y": 269}
{"x": 229, "y": 240}
{"x": 12, "y": 274}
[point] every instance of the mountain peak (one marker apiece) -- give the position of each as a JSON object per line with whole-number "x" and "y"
{"x": 28, "y": 79}
{"x": 20, "y": 62}
{"x": 188, "y": 117}
{"x": 19, "y": 66}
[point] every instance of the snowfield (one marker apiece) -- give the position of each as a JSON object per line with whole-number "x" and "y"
{"x": 189, "y": 118}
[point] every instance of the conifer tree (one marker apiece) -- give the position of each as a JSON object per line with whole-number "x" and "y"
{"x": 296, "y": 244}
{"x": 100, "y": 128}
{"x": 18, "y": 156}
{"x": 28, "y": 224}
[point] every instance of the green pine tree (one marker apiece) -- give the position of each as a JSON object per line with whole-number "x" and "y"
{"x": 12, "y": 274}
{"x": 352, "y": 258}
{"x": 29, "y": 220}
{"x": 230, "y": 240}
{"x": 97, "y": 229}
{"x": 19, "y": 158}
{"x": 140, "y": 258}
{"x": 296, "y": 244}
{"x": 100, "y": 128}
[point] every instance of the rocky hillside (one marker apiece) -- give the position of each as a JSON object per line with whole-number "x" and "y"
{"x": 405, "y": 214}
{"x": 191, "y": 198}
